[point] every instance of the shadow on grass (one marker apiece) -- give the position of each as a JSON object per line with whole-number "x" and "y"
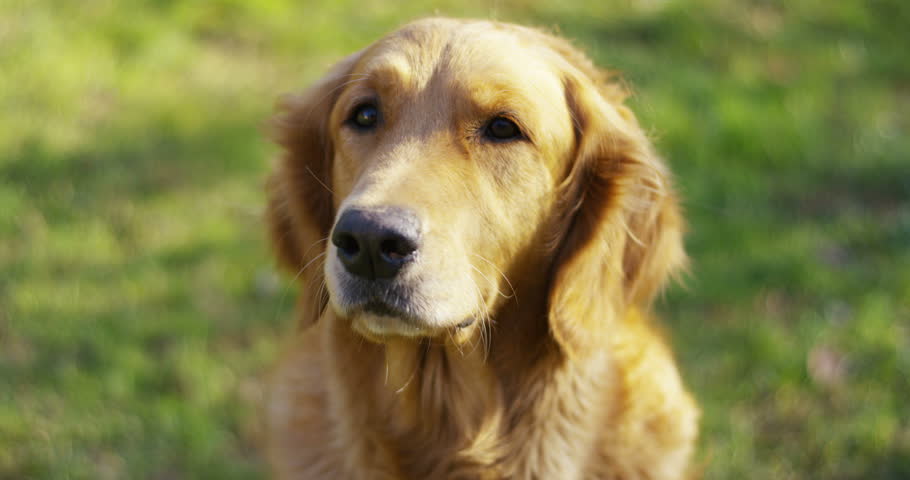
{"x": 156, "y": 157}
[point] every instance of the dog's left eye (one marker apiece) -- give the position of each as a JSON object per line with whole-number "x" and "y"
{"x": 364, "y": 116}
{"x": 502, "y": 129}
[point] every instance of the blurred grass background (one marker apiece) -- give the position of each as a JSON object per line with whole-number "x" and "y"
{"x": 138, "y": 302}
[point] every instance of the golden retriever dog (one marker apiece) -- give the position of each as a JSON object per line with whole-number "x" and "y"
{"x": 478, "y": 225}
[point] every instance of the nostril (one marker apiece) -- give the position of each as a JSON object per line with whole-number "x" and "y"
{"x": 396, "y": 248}
{"x": 376, "y": 243}
{"x": 347, "y": 244}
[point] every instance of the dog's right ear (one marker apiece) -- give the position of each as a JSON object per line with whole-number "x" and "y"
{"x": 300, "y": 207}
{"x": 622, "y": 239}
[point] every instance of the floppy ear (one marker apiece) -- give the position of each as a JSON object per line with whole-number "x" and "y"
{"x": 300, "y": 207}
{"x": 623, "y": 234}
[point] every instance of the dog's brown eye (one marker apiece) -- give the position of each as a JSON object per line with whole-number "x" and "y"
{"x": 502, "y": 128}
{"x": 365, "y": 116}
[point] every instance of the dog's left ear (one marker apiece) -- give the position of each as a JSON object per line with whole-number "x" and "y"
{"x": 300, "y": 211}
{"x": 623, "y": 236}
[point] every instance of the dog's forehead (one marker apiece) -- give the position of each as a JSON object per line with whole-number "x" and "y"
{"x": 479, "y": 56}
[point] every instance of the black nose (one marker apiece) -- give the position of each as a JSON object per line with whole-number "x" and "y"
{"x": 377, "y": 242}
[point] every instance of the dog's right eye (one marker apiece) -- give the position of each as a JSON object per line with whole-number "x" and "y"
{"x": 364, "y": 117}
{"x": 501, "y": 129}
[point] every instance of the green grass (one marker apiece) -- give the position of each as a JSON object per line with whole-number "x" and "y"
{"x": 139, "y": 304}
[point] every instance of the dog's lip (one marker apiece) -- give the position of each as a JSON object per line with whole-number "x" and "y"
{"x": 382, "y": 308}
{"x": 381, "y": 327}
{"x": 378, "y": 326}
{"x": 466, "y": 322}
{"x": 378, "y": 319}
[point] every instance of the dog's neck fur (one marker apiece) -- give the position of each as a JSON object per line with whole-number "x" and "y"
{"x": 485, "y": 405}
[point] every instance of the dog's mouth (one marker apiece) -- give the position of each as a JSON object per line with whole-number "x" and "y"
{"x": 381, "y": 298}
{"x": 382, "y": 311}
{"x": 379, "y": 319}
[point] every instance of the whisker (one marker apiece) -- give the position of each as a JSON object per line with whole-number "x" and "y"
{"x": 410, "y": 378}
{"x": 509, "y": 282}
{"x": 386, "y": 381}
{"x": 479, "y": 307}
{"x": 453, "y": 342}
{"x": 319, "y": 180}
{"x": 498, "y": 291}
{"x": 317, "y": 304}
{"x": 284, "y": 293}
{"x": 317, "y": 257}
{"x": 484, "y": 320}
{"x": 314, "y": 244}
{"x": 486, "y": 332}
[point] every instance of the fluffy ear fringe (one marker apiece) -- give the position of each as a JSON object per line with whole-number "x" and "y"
{"x": 300, "y": 208}
{"x": 623, "y": 238}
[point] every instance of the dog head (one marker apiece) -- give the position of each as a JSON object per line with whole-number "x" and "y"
{"x": 424, "y": 171}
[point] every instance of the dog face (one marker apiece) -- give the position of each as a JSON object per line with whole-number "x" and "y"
{"x": 446, "y": 161}
{"x": 425, "y": 168}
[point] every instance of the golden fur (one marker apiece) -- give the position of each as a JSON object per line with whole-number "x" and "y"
{"x": 555, "y": 244}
